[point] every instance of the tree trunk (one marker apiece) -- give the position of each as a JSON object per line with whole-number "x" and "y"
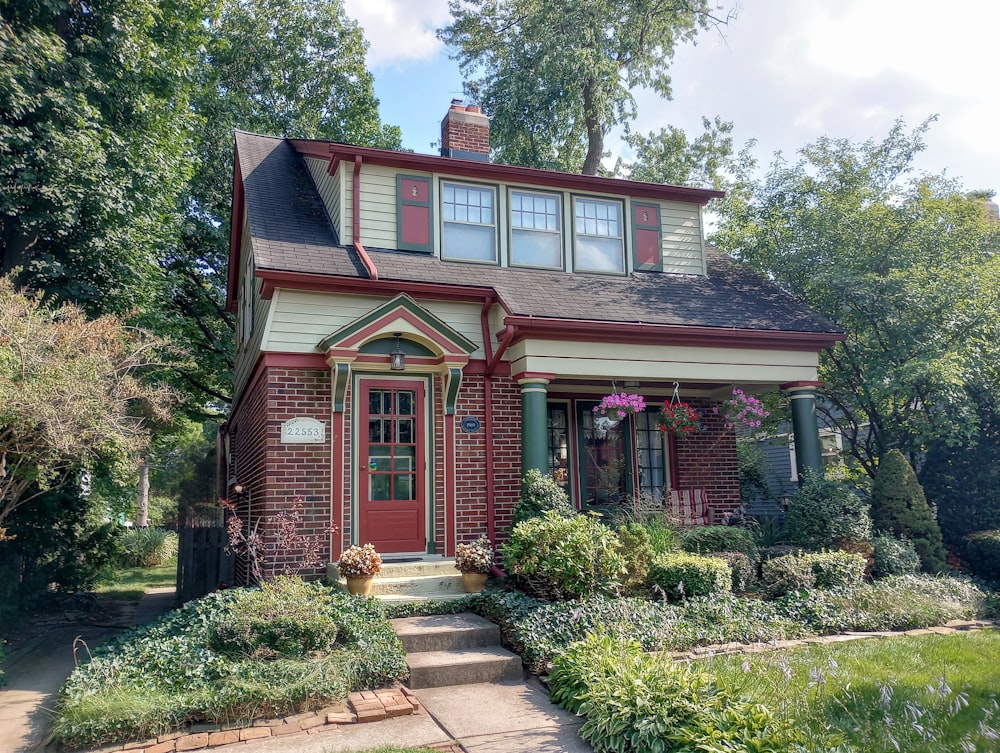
{"x": 142, "y": 502}
{"x": 595, "y": 132}
{"x": 16, "y": 249}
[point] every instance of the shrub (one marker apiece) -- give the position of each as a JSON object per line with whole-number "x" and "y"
{"x": 899, "y": 507}
{"x": 703, "y": 539}
{"x": 662, "y": 535}
{"x": 744, "y": 571}
{"x": 836, "y": 569}
{"x": 634, "y": 701}
{"x": 636, "y": 553}
{"x": 148, "y": 547}
{"x": 681, "y": 575}
{"x": 982, "y": 550}
{"x": 476, "y": 557}
{"x": 779, "y": 550}
{"x": 823, "y": 512}
{"x": 280, "y": 618}
{"x": 894, "y": 556}
{"x": 783, "y": 575}
{"x": 539, "y": 494}
{"x": 555, "y": 557}
{"x": 359, "y": 562}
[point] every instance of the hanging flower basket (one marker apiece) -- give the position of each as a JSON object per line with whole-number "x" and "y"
{"x": 742, "y": 409}
{"x": 617, "y": 405}
{"x": 680, "y": 418}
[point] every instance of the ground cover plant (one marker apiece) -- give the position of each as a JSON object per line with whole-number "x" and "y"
{"x": 284, "y": 647}
{"x": 919, "y": 694}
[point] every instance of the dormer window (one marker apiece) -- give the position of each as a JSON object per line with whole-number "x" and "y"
{"x": 469, "y": 219}
{"x": 597, "y": 233}
{"x": 535, "y": 237}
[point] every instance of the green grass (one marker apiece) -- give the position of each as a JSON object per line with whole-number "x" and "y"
{"x": 131, "y": 583}
{"x": 917, "y": 693}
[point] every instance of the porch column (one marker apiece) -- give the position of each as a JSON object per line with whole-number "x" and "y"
{"x": 534, "y": 424}
{"x": 805, "y": 428}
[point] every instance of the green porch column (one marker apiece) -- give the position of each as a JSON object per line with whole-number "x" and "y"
{"x": 534, "y": 424}
{"x": 808, "y": 453}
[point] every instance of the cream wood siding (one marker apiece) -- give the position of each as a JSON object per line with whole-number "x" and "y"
{"x": 683, "y": 245}
{"x": 329, "y": 188}
{"x": 301, "y": 319}
{"x": 378, "y": 206}
{"x": 663, "y": 363}
{"x": 247, "y": 352}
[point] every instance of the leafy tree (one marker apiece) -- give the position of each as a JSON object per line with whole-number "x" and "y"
{"x": 905, "y": 264}
{"x": 554, "y": 77}
{"x": 900, "y": 507}
{"x": 72, "y": 393}
{"x": 670, "y": 157}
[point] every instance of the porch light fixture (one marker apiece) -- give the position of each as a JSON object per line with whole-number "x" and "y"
{"x": 397, "y": 359}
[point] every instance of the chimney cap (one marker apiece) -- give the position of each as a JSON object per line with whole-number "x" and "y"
{"x": 457, "y": 104}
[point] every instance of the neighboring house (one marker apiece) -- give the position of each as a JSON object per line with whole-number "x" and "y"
{"x": 517, "y": 298}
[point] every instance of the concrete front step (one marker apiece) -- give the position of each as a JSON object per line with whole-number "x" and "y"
{"x": 438, "y": 669}
{"x": 425, "y": 579}
{"x": 425, "y": 585}
{"x": 446, "y": 632}
{"x": 427, "y": 565}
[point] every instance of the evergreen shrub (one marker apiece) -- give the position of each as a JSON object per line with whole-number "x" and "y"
{"x": 704, "y": 539}
{"x": 982, "y": 552}
{"x": 681, "y": 575}
{"x": 744, "y": 570}
{"x": 637, "y": 553}
{"x": 539, "y": 494}
{"x": 783, "y": 575}
{"x": 900, "y": 507}
{"x": 823, "y": 513}
{"x": 894, "y": 556}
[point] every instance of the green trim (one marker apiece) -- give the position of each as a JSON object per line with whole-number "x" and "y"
{"x": 495, "y": 187}
{"x": 341, "y": 373}
{"x": 657, "y": 226}
{"x": 805, "y": 427}
{"x": 401, "y": 301}
{"x": 386, "y": 345}
{"x": 560, "y": 232}
{"x": 453, "y": 383}
{"x": 623, "y": 206}
{"x": 429, "y": 205}
{"x": 583, "y": 407}
{"x": 534, "y": 427}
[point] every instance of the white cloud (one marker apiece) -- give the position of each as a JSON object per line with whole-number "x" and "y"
{"x": 399, "y": 31}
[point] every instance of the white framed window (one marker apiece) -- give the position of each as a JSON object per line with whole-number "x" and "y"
{"x": 598, "y": 240}
{"x": 535, "y": 232}
{"x": 468, "y": 216}
{"x": 831, "y": 448}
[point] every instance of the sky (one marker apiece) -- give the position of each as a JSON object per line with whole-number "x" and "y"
{"x": 785, "y": 72}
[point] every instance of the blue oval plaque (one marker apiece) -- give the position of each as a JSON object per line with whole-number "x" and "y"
{"x": 470, "y": 424}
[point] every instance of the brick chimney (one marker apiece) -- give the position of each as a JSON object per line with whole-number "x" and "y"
{"x": 465, "y": 133}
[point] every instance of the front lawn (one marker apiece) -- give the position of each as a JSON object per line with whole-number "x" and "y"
{"x": 129, "y": 584}
{"x": 916, "y": 694}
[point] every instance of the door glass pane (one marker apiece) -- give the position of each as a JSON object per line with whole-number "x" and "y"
{"x": 602, "y": 459}
{"x": 652, "y": 457}
{"x": 380, "y": 486}
{"x": 379, "y": 459}
{"x": 405, "y": 488}
{"x": 404, "y": 403}
{"x": 405, "y": 458}
{"x": 374, "y": 430}
{"x": 404, "y": 427}
{"x": 558, "y": 426}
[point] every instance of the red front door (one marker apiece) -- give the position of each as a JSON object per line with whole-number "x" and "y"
{"x": 391, "y": 485}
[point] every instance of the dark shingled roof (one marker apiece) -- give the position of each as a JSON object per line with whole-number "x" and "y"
{"x": 291, "y": 232}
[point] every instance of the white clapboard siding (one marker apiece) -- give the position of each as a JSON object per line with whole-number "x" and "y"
{"x": 683, "y": 245}
{"x": 378, "y": 206}
{"x": 246, "y": 353}
{"x": 329, "y": 189}
{"x": 302, "y": 319}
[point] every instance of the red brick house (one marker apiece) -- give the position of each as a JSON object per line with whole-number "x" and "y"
{"x": 415, "y": 331}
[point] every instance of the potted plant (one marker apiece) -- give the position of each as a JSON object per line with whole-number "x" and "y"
{"x": 617, "y": 405}
{"x": 744, "y": 409}
{"x": 679, "y": 418}
{"x": 359, "y": 564}
{"x": 475, "y": 561}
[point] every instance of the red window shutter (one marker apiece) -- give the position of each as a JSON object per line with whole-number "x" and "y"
{"x": 647, "y": 245}
{"x": 414, "y": 218}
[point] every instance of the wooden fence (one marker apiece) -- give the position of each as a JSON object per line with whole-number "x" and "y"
{"x": 202, "y": 562}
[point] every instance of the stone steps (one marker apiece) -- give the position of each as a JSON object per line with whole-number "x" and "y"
{"x": 426, "y": 579}
{"x": 460, "y": 649}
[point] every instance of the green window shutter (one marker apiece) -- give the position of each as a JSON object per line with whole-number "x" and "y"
{"x": 414, "y": 214}
{"x": 647, "y": 242}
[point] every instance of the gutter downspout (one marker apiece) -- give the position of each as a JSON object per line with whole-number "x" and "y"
{"x": 356, "y": 207}
{"x": 492, "y": 361}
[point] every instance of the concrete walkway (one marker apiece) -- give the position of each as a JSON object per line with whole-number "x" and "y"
{"x": 40, "y": 667}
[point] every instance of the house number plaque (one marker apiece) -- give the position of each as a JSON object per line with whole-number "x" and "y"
{"x": 470, "y": 424}
{"x": 303, "y": 431}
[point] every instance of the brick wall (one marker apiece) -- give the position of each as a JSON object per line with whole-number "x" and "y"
{"x": 465, "y": 129}
{"x": 708, "y": 459}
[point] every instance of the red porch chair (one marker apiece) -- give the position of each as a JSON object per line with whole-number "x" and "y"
{"x": 690, "y": 506}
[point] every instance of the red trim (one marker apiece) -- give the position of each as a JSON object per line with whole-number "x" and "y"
{"x": 484, "y": 322}
{"x": 294, "y": 361}
{"x": 337, "y": 445}
{"x": 584, "y": 330}
{"x": 405, "y": 315}
{"x": 235, "y": 232}
{"x": 356, "y": 199}
{"x": 508, "y": 338}
{"x": 799, "y": 385}
{"x": 448, "y": 430}
{"x": 546, "y": 375}
{"x": 505, "y": 173}
{"x": 477, "y": 367}
{"x": 327, "y": 283}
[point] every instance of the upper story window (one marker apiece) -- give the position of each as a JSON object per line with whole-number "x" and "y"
{"x": 535, "y": 238}
{"x": 598, "y": 241}
{"x": 469, "y": 217}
